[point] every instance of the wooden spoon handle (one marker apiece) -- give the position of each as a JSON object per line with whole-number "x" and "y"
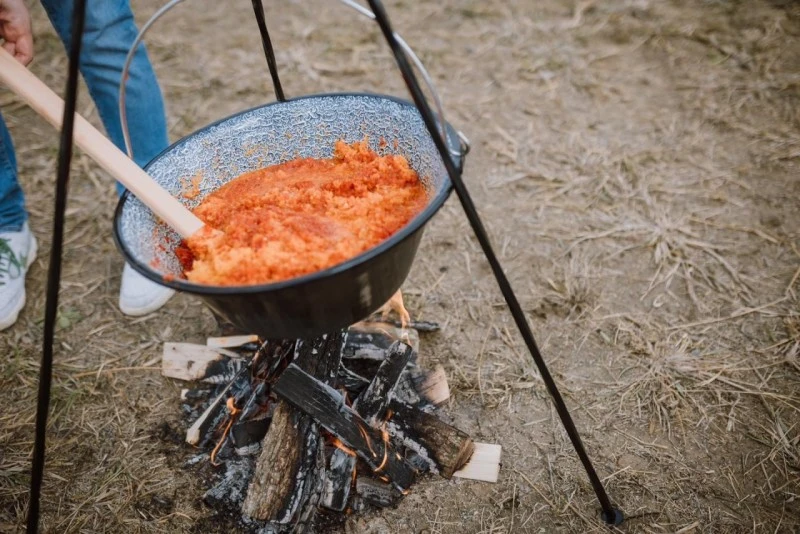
{"x": 50, "y": 106}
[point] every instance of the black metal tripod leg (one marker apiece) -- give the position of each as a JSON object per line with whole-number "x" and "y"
{"x": 54, "y": 269}
{"x": 610, "y": 514}
{"x": 266, "y": 42}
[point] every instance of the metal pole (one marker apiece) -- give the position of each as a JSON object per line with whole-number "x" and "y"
{"x": 54, "y": 271}
{"x": 610, "y": 514}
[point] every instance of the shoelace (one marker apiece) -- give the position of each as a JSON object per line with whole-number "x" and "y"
{"x": 10, "y": 265}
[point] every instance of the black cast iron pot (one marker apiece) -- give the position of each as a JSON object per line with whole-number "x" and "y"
{"x": 309, "y": 126}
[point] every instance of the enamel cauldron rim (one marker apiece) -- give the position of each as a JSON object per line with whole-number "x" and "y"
{"x": 201, "y": 289}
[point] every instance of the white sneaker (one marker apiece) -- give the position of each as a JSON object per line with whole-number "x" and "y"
{"x": 140, "y": 296}
{"x": 17, "y": 252}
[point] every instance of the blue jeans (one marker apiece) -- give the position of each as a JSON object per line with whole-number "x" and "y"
{"x": 108, "y": 34}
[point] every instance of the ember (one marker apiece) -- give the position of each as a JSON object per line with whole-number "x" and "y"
{"x": 293, "y": 443}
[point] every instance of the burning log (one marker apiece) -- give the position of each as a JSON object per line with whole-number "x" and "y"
{"x": 444, "y": 446}
{"x": 370, "y": 341}
{"x": 339, "y": 480}
{"x": 371, "y": 404}
{"x": 280, "y": 465}
{"x": 328, "y": 408}
{"x": 202, "y": 429}
{"x": 288, "y": 472}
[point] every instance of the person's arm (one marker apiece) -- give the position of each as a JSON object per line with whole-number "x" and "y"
{"x": 15, "y": 30}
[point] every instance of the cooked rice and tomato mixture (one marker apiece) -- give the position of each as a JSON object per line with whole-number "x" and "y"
{"x": 301, "y": 216}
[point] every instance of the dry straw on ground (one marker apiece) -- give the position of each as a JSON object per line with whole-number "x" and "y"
{"x": 637, "y": 163}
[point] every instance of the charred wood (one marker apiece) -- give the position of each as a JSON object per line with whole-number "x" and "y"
{"x": 339, "y": 480}
{"x": 203, "y": 428}
{"x": 370, "y": 341}
{"x": 227, "y": 342}
{"x": 327, "y": 407}
{"x": 377, "y": 493}
{"x": 289, "y": 472}
{"x": 445, "y": 446}
{"x": 371, "y": 404}
{"x": 351, "y": 381}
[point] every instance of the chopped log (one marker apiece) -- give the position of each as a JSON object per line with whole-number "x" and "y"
{"x": 447, "y": 447}
{"x": 327, "y": 407}
{"x": 289, "y": 470}
{"x": 228, "y": 342}
{"x": 484, "y": 464}
{"x": 377, "y": 493}
{"x": 189, "y": 361}
{"x": 371, "y": 404}
{"x": 370, "y": 341}
{"x": 432, "y": 386}
{"x": 339, "y": 480}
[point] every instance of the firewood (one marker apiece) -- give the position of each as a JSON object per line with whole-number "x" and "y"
{"x": 200, "y": 430}
{"x": 327, "y": 407}
{"x": 370, "y": 341}
{"x": 447, "y": 447}
{"x": 246, "y": 436}
{"x": 484, "y": 464}
{"x": 377, "y": 493}
{"x": 351, "y": 382}
{"x": 189, "y": 361}
{"x": 228, "y": 342}
{"x": 371, "y": 404}
{"x": 288, "y": 474}
{"x": 432, "y": 386}
{"x": 339, "y": 480}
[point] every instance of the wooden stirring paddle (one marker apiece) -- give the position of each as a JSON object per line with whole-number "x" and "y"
{"x": 97, "y": 146}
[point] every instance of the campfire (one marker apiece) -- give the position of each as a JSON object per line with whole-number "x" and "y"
{"x": 298, "y": 431}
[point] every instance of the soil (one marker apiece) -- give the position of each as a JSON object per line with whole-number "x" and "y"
{"x": 636, "y": 163}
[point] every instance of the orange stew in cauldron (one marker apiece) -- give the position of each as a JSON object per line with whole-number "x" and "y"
{"x": 302, "y": 216}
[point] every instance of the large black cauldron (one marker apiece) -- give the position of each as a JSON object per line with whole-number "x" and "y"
{"x": 304, "y": 127}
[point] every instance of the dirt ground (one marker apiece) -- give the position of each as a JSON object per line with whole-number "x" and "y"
{"x": 637, "y": 165}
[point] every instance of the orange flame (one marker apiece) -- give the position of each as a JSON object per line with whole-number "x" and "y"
{"x": 336, "y": 442}
{"x": 234, "y": 411}
{"x": 385, "y": 437}
{"x": 369, "y": 441}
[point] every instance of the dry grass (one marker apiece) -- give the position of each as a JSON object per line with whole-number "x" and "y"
{"x": 637, "y": 164}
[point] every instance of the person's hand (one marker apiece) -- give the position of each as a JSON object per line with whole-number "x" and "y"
{"x": 15, "y": 30}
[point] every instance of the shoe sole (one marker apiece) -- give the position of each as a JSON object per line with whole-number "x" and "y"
{"x": 33, "y": 249}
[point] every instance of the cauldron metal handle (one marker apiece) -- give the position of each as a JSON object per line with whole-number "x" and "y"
{"x": 464, "y": 142}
